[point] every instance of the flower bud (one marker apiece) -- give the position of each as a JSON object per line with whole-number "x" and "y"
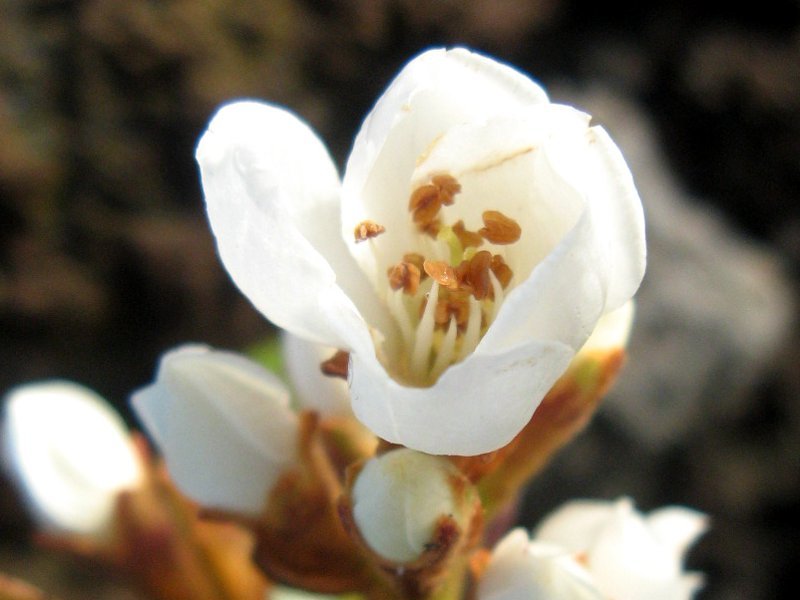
{"x": 630, "y": 556}
{"x": 69, "y": 453}
{"x": 519, "y": 568}
{"x": 399, "y": 499}
{"x": 223, "y": 424}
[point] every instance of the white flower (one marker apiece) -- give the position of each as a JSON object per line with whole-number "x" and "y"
{"x": 477, "y": 236}
{"x": 629, "y": 555}
{"x": 399, "y": 497}
{"x": 223, "y": 423}
{"x": 523, "y": 570}
{"x": 70, "y": 454}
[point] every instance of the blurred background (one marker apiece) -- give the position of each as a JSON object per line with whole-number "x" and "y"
{"x": 106, "y": 259}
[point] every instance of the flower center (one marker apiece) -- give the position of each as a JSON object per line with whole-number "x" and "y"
{"x": 445, "y": 293}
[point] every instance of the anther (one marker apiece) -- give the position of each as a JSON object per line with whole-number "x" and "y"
{"x": 336, "y": 365}
{"x": 367, "y": 229}
{"x": 501, "y": 270}
{"x": 441, "y": 272}
{"x": 405, "y": 276}
{"x": 499, "y": 229}
{"x": 467, "y": 238}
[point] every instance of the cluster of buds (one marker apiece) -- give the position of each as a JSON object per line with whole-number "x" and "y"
{"x": 455, "y": 308}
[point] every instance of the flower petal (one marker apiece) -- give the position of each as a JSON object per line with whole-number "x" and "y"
{"x": 519, "y": 568}
{"x": 69, "y": 452}
{"x": 272, "y": 197}
{"x": 476, "y": 406}
{"x": 223, "y": 424}
{"x": 616, "y": 208}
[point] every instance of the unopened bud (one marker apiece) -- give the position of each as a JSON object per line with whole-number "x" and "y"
{"x": 401, "y": 497}
{"x": 223, "y": 424}
{"x": 69, "y": 453}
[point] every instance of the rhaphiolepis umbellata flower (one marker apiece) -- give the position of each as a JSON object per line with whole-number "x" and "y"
{"x": 69, "y": 453}
{"x": 598, "y": 550}
{"x": 477, "y": 236}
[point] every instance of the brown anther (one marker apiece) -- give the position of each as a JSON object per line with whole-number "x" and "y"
{"x": 441, "y": 272}
{"x": 417, "y": 260}
{"x": 432, "y": 228}
{"x": 467, "y": 238}
{"x": 336, "y": 365}
{"x": 448, "y": 188}
{"x": 424, "y": 204}
{"x": 499, "y": 229}
{"x": 454, "y": 306}
{"x": 367, "y": 229}
{"x": 406, "y": 276}
{"x": 426, "y": 201}
{"x": 501, "y": 270}
{"x": 478, "y": 274}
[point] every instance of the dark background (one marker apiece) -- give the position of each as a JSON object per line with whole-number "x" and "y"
{"x": 106, "y": 260}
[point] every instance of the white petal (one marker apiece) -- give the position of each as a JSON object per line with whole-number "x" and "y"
{"x": 560, "y": 301}
{"x": 612, "y": 330}
{"x": 575, "y": 524}
{"x": 520, "y": 569}
{"x": 69, "y": 452}
{"x": 604, "y": 177}
{"x": 398, "y": 498}
{"x": 272, "y": 197}
{"x": 476, "y": 406}
{"x": 328, "y": 396}
{"x": 677, "y": 528}
{"x": 223, "y": 424}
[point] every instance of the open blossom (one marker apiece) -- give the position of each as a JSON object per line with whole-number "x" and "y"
{"x": 69, "y": 453}
{"x": 478, "y": 235}
{"x": 223, "y": 423}
{"x": 591, "y": 549}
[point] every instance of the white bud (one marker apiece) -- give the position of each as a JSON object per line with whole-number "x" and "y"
{"x": 69, "y": 453}
{"x": 399, "y": 497}
{"x": 223, "y": 424}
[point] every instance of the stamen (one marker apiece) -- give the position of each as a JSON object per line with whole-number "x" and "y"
{"x": 366, "y": 230}
{"x": 497, "y": 290}
{"x": 478, "y": 274}
{"x": 448, "y": 187}
{"x": 442, "y": 273}
{"x": 424, "y": 337}
{"x": 454, "y": 304}
{"x": 336, "y": 365}
{"x": 405, "y": 276}
{"x": 473, "y": 332}
{"x": 417, "y": 260}
{"x": 398, "y": 310}
{"x": 426, "y": 201}
{"x": 499, "y": 229}
{"x": 424, "y": 204}
{"x": 501, "y": 270}
{"x": 445, "y": 354}
{"x": 467, "y": 238}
